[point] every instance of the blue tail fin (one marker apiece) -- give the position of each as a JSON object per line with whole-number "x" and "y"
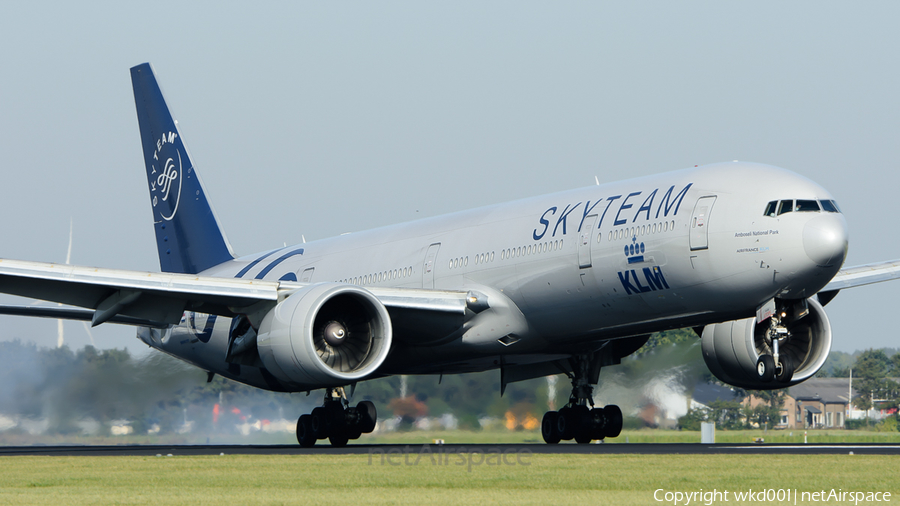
{"x": 187, "y": 233}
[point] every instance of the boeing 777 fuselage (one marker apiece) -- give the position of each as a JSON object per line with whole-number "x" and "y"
{"x": 681, "y": 249}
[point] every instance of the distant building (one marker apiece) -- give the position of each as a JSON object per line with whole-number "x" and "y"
{"x": 707, "y": 393}
{"x": 817, "y": 403}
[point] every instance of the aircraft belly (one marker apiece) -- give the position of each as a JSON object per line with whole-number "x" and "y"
{"x": 188, "y": 344}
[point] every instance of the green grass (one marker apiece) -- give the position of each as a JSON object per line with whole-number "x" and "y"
{"x": 470, "y": 437}
{"x": 361, "y": 479}
{"x": 747, "y": 436}
{"x": 638, "y": 436}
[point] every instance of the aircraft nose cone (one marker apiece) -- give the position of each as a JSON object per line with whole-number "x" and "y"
{"x": 825, "y": 240}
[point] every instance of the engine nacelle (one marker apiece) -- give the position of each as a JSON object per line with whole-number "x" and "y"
{"x": 325, "y": 335}
{"x": 731, "y": 349}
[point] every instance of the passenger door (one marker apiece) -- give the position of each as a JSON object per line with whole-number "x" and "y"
{"x": 585, "y": 243}
{"x": 700, "y": 223}
{"x": 428, "y": 268}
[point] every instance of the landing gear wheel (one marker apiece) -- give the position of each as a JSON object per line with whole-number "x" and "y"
{"x": 583, "y": 436}
{"x": 785, "y": 372}
{"x": 613, "y": 421}
{"x": 597, "y": 422}
{"x": 581, "y": 419}
{"x": 336, "y": 416}
{"x": 549, "y": 428}
{"x": 305, "y": 435}
{"x": 319, "y": 423}
{"x": 565, "y": 424}
{"x": 335, "y": 420}
{"x": 367, "y": 416}
{"x": 338, "y": 440}
{"x": 765, "y": 368}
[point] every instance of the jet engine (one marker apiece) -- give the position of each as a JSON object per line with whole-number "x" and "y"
{"x": 734, "y": 350}
{"x": 325, "y": 335}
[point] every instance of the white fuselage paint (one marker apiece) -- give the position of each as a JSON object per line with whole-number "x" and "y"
{"x": 716, "y": 259}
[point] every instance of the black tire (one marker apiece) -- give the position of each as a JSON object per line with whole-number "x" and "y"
{"x": 367, "y": 416}
{"x": 548, "y": 428}
{"x": 338, "y": 440}
{"x": 354, "y": 434}
{"x": 336, "y": 416}
{"x": 319, "y": 423}
{"x": 305, "y": 435}
{"x": 597, "y": 422}
{"x": 784, "y": 373}
{"x": 765, "y": 368}
{"x": 613, "y": 421}
{"x": 583, "y": 436}
{"x": 565, "y": 424}
{"x": 581, "y": 417}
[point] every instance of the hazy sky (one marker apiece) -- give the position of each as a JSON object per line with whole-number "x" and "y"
{"x": 321, "y": 118}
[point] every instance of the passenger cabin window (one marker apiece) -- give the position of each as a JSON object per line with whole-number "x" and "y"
{"x": 807, "y": 206}
{"x": 830, "y": 206}
{"x": 771, "y": 207}
{"x": 786, "y": 206}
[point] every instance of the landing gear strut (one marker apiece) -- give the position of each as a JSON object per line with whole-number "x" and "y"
{"x": 336, "y": 421}
{"x": 576, "y": 420}
{"x": 778, "y": 366}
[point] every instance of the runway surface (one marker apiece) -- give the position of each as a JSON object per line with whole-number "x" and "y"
{"x": 593, "y": 449}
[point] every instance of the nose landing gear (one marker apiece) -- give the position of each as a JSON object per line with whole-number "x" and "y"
{"x": 336, "y": 421}
{"x": 576, "y": 420}
{"x": 777, "y": 366}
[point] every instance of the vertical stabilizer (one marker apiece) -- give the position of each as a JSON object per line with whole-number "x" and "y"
{"x": 187, "y": 233}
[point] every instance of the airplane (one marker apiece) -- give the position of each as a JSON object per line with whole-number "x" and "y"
{"x": 746, "y": 254}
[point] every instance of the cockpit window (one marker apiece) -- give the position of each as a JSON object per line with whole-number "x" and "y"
{"x": 830, "y": 206}
{"x": 779, "y": 207}
{"x": 786, "y": 206}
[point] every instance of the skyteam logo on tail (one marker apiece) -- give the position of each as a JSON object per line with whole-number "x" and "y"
{"x": 165, "y": 176}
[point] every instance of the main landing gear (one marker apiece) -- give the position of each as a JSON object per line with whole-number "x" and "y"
{"x": 576, "y": 420}
{"x": 778, "y": 366}
{"x": 336, "y": 420}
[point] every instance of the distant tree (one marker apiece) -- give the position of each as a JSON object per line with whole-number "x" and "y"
{"x": 769, "y": 410}
{"x": 870, "y": 379}
{"x": 837, "y": 365}
{"x": 658, "y": 339}
{"x": 839, "y": 372}
{"x": 693, "y": 419}
{"x": 728, "y": 415}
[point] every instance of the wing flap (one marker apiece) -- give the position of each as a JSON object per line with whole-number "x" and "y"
{"x": 75, "y": 313}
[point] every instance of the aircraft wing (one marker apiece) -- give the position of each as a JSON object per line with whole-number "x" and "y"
{"x": 156, "y": 299}
{"x": 864, "y": 275}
